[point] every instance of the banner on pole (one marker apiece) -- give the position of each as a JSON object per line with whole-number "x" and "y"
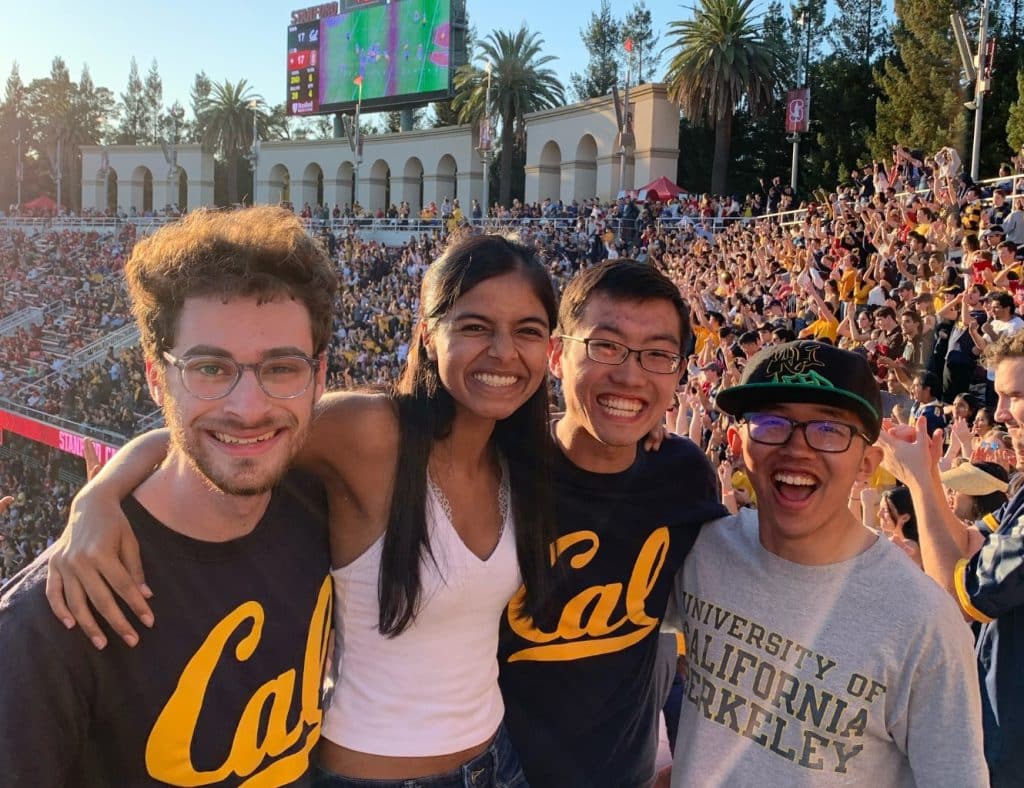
{"x": 798, "y": 110}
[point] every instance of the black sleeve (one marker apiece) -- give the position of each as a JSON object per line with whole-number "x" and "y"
{"x": 45, "y": 688}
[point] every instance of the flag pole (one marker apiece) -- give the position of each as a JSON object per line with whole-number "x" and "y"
{"x": 358, "y": 146}
{"x": 624, "y": 131}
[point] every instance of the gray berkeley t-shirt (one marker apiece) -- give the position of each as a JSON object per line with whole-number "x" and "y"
{"x": 857, "y": 673}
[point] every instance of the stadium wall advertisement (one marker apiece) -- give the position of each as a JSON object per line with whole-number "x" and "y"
{"x": 70, "y": 442}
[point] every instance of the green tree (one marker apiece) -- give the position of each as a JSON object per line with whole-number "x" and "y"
{"x": 721, "y": 60}
{"x": 14, "y": 120}
{"x": 1015, "y": 121}
{"x": 65, "y": 116}
{"x": 444, "y": 114}
{"x": 226, "y": 116}
{"x": 393, "y": 120}
{"x": 639, "y": 27}
{"x": 603, "y": 39}
{"x": 319, "y": 127}
{"x": 1005, "y": 26}
{"x": 520, "y": 83}
{"x": 920, "y": 103}
{"x": 157, "y": 119}
{"x": 197, "y": 96}
{"x": 135, "y": 125}
{"x": 858, "y": 30}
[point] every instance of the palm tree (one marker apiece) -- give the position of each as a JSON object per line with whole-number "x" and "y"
{"x": 520, "y": 84}
{"x": 722, "y": 60}
{"x": 225, "y": 117}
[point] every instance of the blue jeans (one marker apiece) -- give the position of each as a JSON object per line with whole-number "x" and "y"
{"x": 496, "y": 767}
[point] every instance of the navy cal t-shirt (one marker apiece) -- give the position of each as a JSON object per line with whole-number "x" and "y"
{"x": 579, "y": 690}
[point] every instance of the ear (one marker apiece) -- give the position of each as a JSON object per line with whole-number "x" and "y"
{"x": 154, "y": 382}
{"x": 427, "y": 338}
{"x": 556, "y": 346}
{"x": 320, "y": 381}
{"x": 869, "y": 463}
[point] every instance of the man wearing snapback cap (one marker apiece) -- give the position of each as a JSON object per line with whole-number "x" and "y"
{"x": 817, "y": 654}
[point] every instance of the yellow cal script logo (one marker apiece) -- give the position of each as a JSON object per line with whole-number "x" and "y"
{"x": 579, "y": 634}
{"x": 168, "y": 749}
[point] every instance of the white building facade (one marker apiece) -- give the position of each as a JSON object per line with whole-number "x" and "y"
{"x": 572, "y": 153}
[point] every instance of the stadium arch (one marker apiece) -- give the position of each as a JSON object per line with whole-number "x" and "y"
{"x": 342, "y": 190}
{"x": 549, "y": 172}
{"x": 444, "y": 182}
{"x": 415, "y": 166}
{"x": 580, "y": 175}
{"x": 278, "y": 186}
{"x": 412, "y": 184}
{"x": 311, "y": 187}
{"x": 589, "y": 133}
{"x": 377, "y": 197}
{"x": 140, "y": 190}
{"x": 152, "y": 181}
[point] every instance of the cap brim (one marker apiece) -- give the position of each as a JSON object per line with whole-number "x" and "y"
{"x": 747, "y": 398}
{"x": 970, "y": 480}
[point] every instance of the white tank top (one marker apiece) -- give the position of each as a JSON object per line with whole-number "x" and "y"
{"x": 432, "y": 690}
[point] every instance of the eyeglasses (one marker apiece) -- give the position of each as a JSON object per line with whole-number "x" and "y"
{"x": 214, "y": 377}
{"x": 828, "y": 436}
{"x": 606, "y": 351}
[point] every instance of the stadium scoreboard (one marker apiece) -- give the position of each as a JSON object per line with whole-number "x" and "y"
{"x": 379, "y": 53}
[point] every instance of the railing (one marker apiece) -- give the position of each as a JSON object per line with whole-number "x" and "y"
{"x": 62, "y": 423}
{"x": 420, "y": 225}
{"x": 128, "y": 334}
{"x": 151, "y": 421}
{"x": 30, "y": 315}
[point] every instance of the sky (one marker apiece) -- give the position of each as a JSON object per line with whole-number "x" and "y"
{"x": 240, "y": 40}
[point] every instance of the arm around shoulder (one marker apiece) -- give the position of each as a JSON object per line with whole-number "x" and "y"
{"x": 350, "y": 431}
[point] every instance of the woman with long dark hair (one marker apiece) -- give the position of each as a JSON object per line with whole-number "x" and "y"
{"x": 439, "y": 513}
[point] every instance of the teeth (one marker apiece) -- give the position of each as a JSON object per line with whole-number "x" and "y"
{"x": 497, "y": 381}
{"x": 795, "y": 479}
{"x": 620, "y": 405}
{"x": 223, "y": 437}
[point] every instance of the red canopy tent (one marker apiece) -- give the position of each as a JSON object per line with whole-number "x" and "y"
{"x": 42, "y": 204}
{"x": 661, "y": 189}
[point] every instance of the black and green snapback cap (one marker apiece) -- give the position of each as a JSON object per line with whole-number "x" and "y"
{"x": 806, "y": 371}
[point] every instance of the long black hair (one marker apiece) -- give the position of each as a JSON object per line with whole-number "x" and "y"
{"x": 899, "y": 497}
{"x": 425, "y": 414}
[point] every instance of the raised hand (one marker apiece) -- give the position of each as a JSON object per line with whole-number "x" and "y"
{"x": 909, "y": 452}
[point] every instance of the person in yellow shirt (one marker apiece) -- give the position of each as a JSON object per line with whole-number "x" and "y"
{"x": 826, "y": 327}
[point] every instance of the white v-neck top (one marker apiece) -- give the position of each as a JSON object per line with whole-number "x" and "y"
{"x": 432, "y": 690}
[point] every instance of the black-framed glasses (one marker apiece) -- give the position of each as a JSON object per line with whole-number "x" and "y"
{"x": 607, "y": 351}
{"x": 214, "y": 377}
{"x": 824, "y": 435}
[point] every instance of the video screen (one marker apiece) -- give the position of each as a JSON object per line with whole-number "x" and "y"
{"x": 400, "y": 52}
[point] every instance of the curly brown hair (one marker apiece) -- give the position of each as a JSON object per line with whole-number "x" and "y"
{"x": 262, "y": 252}
{"x": 1006, "y": 347}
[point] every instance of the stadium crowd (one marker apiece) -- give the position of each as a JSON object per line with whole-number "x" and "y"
{"x": 42, "y": 482}
{"x": 918, "y": 271}
{"x": 918, "y": 281}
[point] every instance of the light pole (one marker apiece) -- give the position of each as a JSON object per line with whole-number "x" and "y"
{"x": 625, "y": 137}
{"x": 486, "y": 145}
{"x": 801, "y": 78}
{"x": 174, "y": 172}
{"x": 981, "y": 84}
{"x": 59, "y": 164}
{"x": 254, "y": 156}
{"x": 19, "y": 170}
